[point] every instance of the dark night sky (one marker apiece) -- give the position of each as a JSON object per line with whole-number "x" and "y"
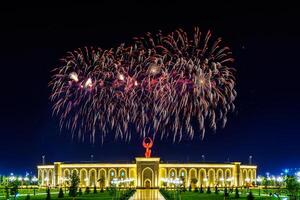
{"x": 265, "y": 41}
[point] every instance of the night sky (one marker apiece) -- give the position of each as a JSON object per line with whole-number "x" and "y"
{"x": 265, "y": 41}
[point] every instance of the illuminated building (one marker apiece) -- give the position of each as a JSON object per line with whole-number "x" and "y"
{"x": 148, "y": 172}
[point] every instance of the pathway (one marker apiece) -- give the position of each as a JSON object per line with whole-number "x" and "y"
{"x": 147, "y": 194}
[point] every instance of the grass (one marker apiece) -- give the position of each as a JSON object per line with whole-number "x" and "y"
{"x": 41, "y": 195}
{"x": 190, "y": 195}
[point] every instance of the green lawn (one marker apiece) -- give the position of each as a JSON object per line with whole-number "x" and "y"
{"x": 41, "y": 195}
{"x": 197, "y": 195}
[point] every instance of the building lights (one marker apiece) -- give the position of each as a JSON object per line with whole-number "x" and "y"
{"x": 279, "y": 179}
{"x": 117, "y": 175}
{"x": 117, "y": 181}
{"x": 259, "y": 179}
{"x": 229, "y": 179}
{"x": 175, "y": 181}
{"x": 34, "y": 179}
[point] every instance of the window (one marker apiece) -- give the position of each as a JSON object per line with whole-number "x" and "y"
{"x": 182, "y": 173}
{"x": 112, "y": 173}
{"x": 122, "y": 173}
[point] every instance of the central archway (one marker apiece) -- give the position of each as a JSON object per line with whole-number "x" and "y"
{"x": 147, "y": 184}
{"x": 147, "y": 177}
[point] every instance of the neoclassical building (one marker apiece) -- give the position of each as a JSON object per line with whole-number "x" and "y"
{"x": 149, "y": 172}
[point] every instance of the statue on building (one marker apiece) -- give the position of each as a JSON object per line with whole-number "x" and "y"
{"x": 147, "y": 143}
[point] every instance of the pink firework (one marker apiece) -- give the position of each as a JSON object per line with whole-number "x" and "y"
{"x": 162, "y": 85}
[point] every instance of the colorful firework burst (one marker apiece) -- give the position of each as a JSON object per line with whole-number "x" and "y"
{"x": 166, "y": 85}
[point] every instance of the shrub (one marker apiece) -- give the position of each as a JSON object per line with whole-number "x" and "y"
{"x": 196, "y": 189}
{"x": 61, "y": 193}
{"x": 216, "y": 190}
{"x": 27, "y": 197}
{"x": 48, "y": 197}
{"x": 201, "y": 189}
{"x": 237, "y": 194}
{"x": 87, "y": 190}
{"x": 250, "y": 196}
{"x": 226, "y": 194}
{"x": 74, "y": 184}
{"x": 190, "y": 188}
{"x": 128, "y": 193}
{"x": 95, "y": 189}
{"x": 80, "y": 192}
{"x": 208, "y": 191}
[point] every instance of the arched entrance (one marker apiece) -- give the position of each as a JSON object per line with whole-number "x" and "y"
{"x": 147, "y": 177}
{"x": 147, "y": 184}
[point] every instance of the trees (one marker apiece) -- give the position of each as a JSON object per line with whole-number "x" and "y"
{"x": 250, "y": 196}
{"x": 265, "y": 182}
{"x": 237, "y": 194}
{"x": 6, "y": 190}
{"x": 292, "y": 185}
{"x": 74, "y": 184}
{"x": 208, "y": 191}
{"x": 14, "y": 185}
{"x": 194, "y": 182}
{"x": 183, "y": 182}
{"x": 201, "y": 189}
{"x": 80, "y": 192}
{"x": 102, "y": 182}
{"x": 48, "y": 197}
{"x": 226, "y": 194}
{"x": 87, "y": 190}
{"x": 27, "y": 197}
{"x": 216, "y": 189}
{"x": 61, "y": 193}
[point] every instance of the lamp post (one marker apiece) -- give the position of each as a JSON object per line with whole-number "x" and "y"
{"x": 177, "y": 183}
{"x": 222, "y": 181}
{"x": 34, "y": 180}
{"x": 47, "y": 181}
{"x": 205, "y": 180}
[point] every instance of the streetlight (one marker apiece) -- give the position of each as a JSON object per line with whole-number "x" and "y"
{"x": 47, "y": 181}
{"x": 34, "y": 179}
{"x": 228, "y": 181}
{"x": 20, "y": 178}
{"x": 205, "y": 180}
{"x": 86, "y": 181}
{"x": 259, "y": 179}
{"x": 222, "y": 181}
{"x": 177, "y": 182}
{"x": 11, "y": 177}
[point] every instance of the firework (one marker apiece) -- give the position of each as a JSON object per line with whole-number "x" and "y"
{"x": 162, "y": 85}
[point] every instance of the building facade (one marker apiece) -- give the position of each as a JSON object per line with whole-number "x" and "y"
{"x": 149, "y": 173}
